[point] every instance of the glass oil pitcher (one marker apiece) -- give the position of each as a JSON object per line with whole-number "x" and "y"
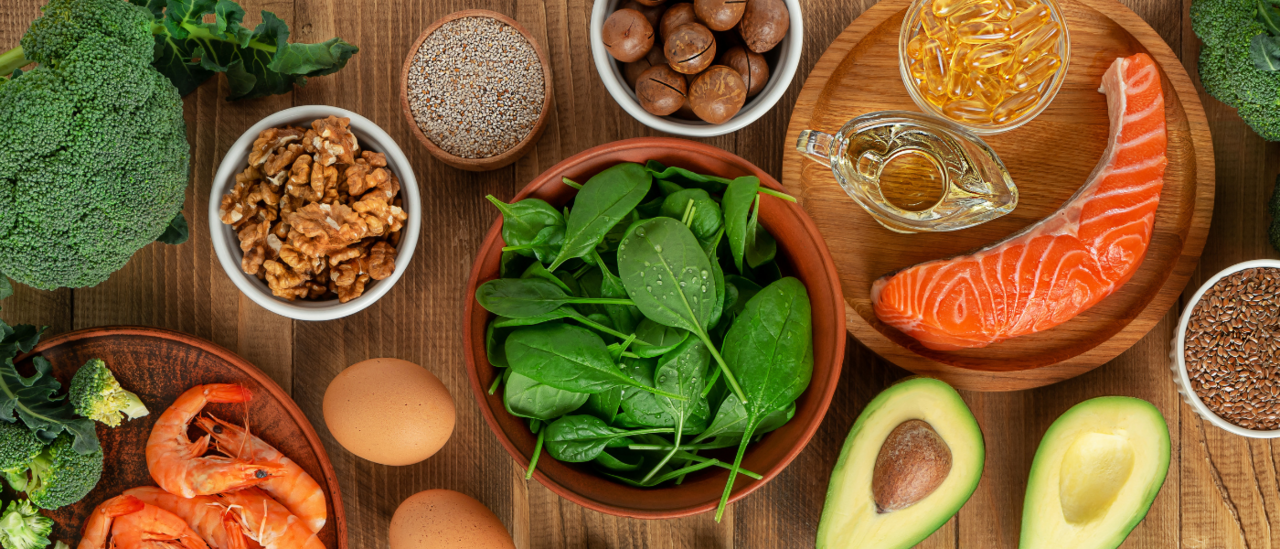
{"x": 914, "y": 173}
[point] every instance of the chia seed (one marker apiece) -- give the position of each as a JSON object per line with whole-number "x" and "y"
{"x": 476, "y": 87}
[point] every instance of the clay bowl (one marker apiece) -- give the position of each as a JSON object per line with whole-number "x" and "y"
{"x": 492, "y": 162}
{"x": 801, "y": 253}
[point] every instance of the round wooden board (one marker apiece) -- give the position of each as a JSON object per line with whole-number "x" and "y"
{"x": 159, "y": 365}
{"x": 1049, "y": 158}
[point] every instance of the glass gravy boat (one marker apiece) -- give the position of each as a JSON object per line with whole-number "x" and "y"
{"x": 915, "y": 173}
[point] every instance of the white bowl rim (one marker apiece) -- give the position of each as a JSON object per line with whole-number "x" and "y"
{"x": 222, "y": 235}
{"x": 1183, "y": 379}
{"x": 789, "y": 62}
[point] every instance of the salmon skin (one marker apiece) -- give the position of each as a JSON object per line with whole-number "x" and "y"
{"x": 1053, "y": 270}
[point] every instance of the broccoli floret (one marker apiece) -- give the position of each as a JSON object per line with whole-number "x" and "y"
{"x": 1226, "y": 70}
{"x": 18, "y": 446}
{"x": 59, "y": 475}
{"x": 94, "y": 156}
{"x": 97, "y": 395}
{"x": 21, "y": 527}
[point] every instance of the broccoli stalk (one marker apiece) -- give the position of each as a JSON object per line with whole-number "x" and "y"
{"x": 21, "y": 527}
{"x": 97, "y": 395}
{"x": 59, "y": 475}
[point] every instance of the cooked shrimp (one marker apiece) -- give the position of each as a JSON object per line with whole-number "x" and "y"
{"x": 268, "y": 522}
{"x": 177, "y": 464}
{"x": 204, "y": 514}
{"x": 153, "y": 528}
{"x": 97, "y": 530}
{"x": 294, "y": 488}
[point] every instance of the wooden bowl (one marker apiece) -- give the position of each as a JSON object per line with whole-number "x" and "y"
{"x": 1049, "y": 158}
{"x": 801, "y": 253}
{"x": 492, "y": 162}
{"x": 159, "y": 365}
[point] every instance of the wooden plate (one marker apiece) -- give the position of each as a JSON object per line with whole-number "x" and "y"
{"x": 1049, "y": 158}
{"x": 159, "y": 365}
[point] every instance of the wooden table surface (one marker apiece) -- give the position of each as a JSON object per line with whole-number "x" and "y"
{"x": 1222, "y": 490}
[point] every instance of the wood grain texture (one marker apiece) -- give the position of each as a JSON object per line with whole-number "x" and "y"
{"x": 1220, "y": 492}
{"x": 859, "y": 74}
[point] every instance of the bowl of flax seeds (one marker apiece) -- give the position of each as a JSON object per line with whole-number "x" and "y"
{"x": 476, "y": 90}
{"x": 1226, "y": 354}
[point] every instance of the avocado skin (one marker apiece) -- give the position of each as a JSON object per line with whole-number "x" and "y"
{"x": 904, "y": 528}
{"x": 1033, "y": 523}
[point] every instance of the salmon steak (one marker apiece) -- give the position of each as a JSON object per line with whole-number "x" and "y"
{"x": 1053, "y": 270}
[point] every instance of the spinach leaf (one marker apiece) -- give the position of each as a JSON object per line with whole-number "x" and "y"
{"x": 668, "y": 475}
{"x": 525, "y": 397}
{"x": 605, "y": 405}
{"x": 743, "y": 288}
{"x": 604, "y": 200}
{"x": 686, "y": 178}
{"x": 674, "y": 204}
{"x": 656, "y": 339}
{"x": 681, "y": 371}
{"x": 642, "y": 409}
{"x": 738, "y": 199}
{"x": 613, "y": 464}
{"x": 718, "y": 274}
{"x": 761, "y": 247}
{"x": 667, "y": 188}
{"x": 494, "y": 338}
{"x": 581, "y": 438}
{"x": 730, "y": 423}
{"x": 668, "y": 276}
{"x": 531, "y": 227}
{"x": 512, "y": 264}
{"x": 770, "y": 349}
{"x": 625, "y": 317}
{"x": 536, "y": 270}
{"x": 529, "y": 297}
{"x": 567, "y": 357}
{"x": 707, "y": 219}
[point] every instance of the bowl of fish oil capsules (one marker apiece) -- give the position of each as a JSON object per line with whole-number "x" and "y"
{"x": 988, "y": 65}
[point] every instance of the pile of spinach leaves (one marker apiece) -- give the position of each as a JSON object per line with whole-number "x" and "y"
{"x": 647, "y": 323}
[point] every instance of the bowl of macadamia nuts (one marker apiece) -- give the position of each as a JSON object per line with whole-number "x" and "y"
{"x": 697, "y": 68}
{"x": 314, "y": 213}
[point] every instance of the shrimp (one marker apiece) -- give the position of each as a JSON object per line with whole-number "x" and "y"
{"x": 97, "y": 530}
{"x": 153, "y": 528}
{"x": 268, "y": 522}
{"x": 294, "y": 488}
{"x": 176, "y": 463}
{"x": 204, "y": 514}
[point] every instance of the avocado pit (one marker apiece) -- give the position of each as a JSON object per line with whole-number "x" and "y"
{"x": 912, "y": 463}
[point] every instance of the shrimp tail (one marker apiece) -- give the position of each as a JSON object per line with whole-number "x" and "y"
{"x": 97, "y": 530}
{"x": 228, "y": 392}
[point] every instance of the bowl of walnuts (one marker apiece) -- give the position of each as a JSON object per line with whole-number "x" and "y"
{"x": 314, "y": 213}
{"x": 698, "y": 68}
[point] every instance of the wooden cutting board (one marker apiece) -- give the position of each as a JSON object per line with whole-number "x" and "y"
{"x": 159, "y": 365}
{"x": 1049, "y": 158}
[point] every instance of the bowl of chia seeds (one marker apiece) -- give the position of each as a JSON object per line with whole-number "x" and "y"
{"x": 1226, "y": 355}
{"x": 476, "y": 89}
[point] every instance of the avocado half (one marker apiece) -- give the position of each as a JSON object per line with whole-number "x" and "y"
{"x": 1095, "y": 474}
{"x": 851, "y": 519}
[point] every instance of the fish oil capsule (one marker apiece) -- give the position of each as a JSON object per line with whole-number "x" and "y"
{"x": 987, "y": 88}
{"x": 1039, "y": 40}
{"x": 1023, "y": 5}
{"x": 982, "y": 32}
{"x": 1014, "y": 107}
{"x": 989, "y": 55}
{"x": 977, "y": 11}
{"x": 944, "y": 8}
{"x": 1028, "y": 22}
{"x": 934, "y": 26}
{"x": 916, "y": 68}
{"x": 915, "y": 47}
{"x": 1006, "y": 10}
{"x": 968, "y": 111}
{"x": 956, "y": 70}
{"x": 935, "y": 67}
{"x": 1036, "y": 72}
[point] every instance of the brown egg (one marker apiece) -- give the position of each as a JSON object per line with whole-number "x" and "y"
{"x": 674, "y": 17}
{"x": 627, "y": 35}
{"x": 690, "y": 48}
{"x": 764, "y": 24}
{"x": 389, "y": 411}
{"x": 717, "y": 94}
{"x": 719, "y": 15}
{"x": 751, "y": 65}
{"x": 444, "y": 519}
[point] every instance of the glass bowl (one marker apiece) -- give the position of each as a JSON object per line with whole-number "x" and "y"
{"x": 911, "y": 22}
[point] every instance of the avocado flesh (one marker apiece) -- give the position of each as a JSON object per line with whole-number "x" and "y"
{"x": 1098, "y": 468}
{"x": 849, "y": 517}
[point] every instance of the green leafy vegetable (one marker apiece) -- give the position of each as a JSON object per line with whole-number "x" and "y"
{"x": 1234, "y": 63}
{"x": 34, "y": 398}
{"x": 1264, "y": 50}
{"x": 568, "y": 358}
{"x": 525, "y": 397}
{"x": 177, "y": 232}
{"x": 761, "y": 247}
{"x": 681, "y": 371}
{"x": 531, "y": 228}
{"x": 529, "y": 297}
{"x": 659, "y": 338}
{"x": 577, "y": 439}
{"x": 770, "y": 348}
{"x": 604, "y": 200}
{"x": 738, "y": 199}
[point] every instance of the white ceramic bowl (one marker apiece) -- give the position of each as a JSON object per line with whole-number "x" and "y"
{"x": 227, "y": 245}
{"x": 1180, "y": 376}
{"x": 780, "y": 74}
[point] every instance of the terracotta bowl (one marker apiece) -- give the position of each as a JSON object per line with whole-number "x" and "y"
{"x": 492, "y": 162}
{"x": 801, "y": 253}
